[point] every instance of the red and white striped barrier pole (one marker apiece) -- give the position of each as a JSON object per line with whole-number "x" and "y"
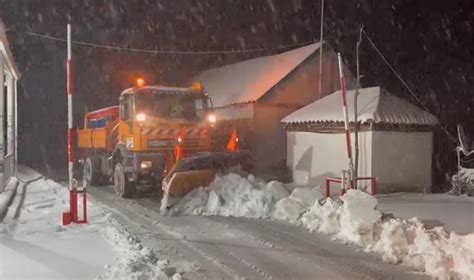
{"x": 72, "y": 216}
{"x": 70, "y": 135}
{"x": 346, "y": 119}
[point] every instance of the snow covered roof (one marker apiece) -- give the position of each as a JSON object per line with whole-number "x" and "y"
{"x": 374, "y": 105}
{"x": 249, "y": 80}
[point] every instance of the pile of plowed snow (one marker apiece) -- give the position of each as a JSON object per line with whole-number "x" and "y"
{"x": 355, "y": 220}
{"x": 135, "y": 261}
{"x": 408, "y": 242}
{"x": 233, "y": 195}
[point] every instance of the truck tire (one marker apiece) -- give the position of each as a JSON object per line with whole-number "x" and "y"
{"x": 123, "y": 187}
{"x": 92, "y": 171}
{"x": 157, "y": 183}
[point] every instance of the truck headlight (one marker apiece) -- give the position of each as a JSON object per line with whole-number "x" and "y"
{"x": 145, "y": 164}
{"x": 140, "y": 117}
{"x": 211, "y": 118}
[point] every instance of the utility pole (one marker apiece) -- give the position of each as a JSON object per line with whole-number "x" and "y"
{"x": 321, "y": 51}
{"x": 356, "y": 122}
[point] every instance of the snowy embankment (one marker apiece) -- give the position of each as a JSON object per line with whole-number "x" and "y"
{"x": 31, "y": 235}
{"x": 355, "y": 220}
{"x": 7, "y": 195}
{"x": 134, "y": 261}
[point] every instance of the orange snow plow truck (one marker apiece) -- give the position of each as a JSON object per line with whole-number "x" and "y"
{"x": 158, "y": 136}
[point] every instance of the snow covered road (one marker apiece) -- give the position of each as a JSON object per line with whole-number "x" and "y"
{"x": 208, "y": 247}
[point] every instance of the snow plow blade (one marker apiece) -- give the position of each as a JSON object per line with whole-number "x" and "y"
{"x": 199, "y": 171}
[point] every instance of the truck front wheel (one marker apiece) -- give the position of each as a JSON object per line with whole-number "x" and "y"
{"x": 92, "y": 171}
{"x": 123, "y": 187}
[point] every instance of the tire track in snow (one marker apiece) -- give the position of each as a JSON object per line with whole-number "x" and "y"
{"x": 245, "y": 226}
{"x": 284, "y": 264}
{"x": 182, "y": 237}
{"x": 214, "y": 259}
{"x": 326, "y": 259}
{"x": 129, "y": 213}
{"x": 349, "y": 265}
{"x": 221, "y": 247}
{"x": 229, "y": 252}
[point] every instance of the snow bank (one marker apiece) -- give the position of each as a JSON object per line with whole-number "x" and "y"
{"x": 134, "y": 261}
{"x": 356, "y": 221}
{"x": 291, "y": 208}
{"x": 32, "y": 236}
{"x": 463, "y": 182}
{"x": 233, "y": 195}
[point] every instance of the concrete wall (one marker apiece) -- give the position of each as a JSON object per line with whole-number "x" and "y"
{"x": 402, "y": 161}
{"x": 270, "y": 140}
{"x": 314, "y": 156}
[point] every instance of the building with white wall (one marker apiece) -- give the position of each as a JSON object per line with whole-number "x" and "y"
{"x": 395, "y": 141}
{"x": 9, "y": 76}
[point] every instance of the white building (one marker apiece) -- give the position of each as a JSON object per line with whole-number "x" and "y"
{"x": 395, "y": 141}
{"x": 9, "y": 75}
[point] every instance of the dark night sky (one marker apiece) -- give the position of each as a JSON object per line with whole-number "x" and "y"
{"x": 428, "y": 42}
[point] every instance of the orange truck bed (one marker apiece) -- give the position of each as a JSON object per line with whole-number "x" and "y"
{"x": 97, "y": 132}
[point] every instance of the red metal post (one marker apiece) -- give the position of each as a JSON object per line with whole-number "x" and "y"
{"x": 373, "y": 185}
{"x": 328, "y": 188}
{"x": 73, "y": 203}
{"x": 328, "y": 185}
{"x": 84, "y": 202}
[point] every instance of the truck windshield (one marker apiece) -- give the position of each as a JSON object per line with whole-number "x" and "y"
{"x": 174, "y": 106}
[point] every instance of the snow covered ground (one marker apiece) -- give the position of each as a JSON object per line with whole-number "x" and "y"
{"x": 216, "y": 247}
{"x": 355, "y": 221}
{"x": 32, "y": 237}
{"x": 454, "y": 213}
{"x": 129, "y": 239}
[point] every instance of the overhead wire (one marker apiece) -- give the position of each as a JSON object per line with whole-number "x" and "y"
{"x": 161, "y": 51}
{"x": 405, "y": 84}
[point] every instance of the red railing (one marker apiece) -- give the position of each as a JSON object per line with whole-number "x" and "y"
{"x": 373, "y": 184}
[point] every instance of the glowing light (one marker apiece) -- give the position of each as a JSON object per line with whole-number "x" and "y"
{"x": 197, "y": 87}
{"x": 140, "y": 117}
{"x": 145, "y": 164}
{"x": 140, "y": 82}
{"x": 179, "y": 140}
{"x": 211, "y": 118}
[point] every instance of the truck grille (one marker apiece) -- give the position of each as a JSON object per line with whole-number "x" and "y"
{"x": 189, "y": 143}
